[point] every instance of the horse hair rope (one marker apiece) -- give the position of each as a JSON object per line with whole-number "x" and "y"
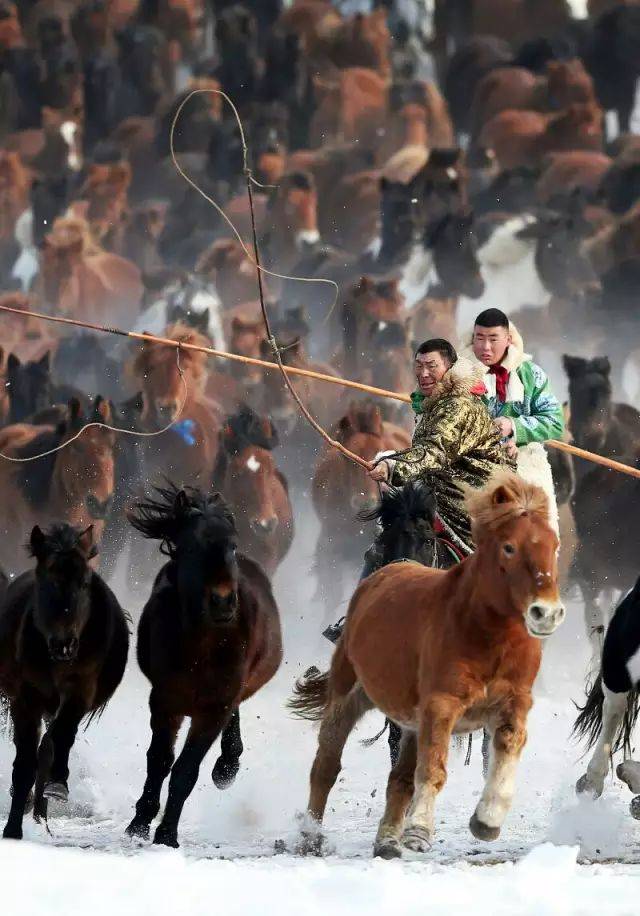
{"x": 609, "y": 463}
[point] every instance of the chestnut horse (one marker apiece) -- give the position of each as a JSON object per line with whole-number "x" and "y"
{"x": 189, "y": 449}
{"x": 209, "y": 638}
{"x": 465, "y": 656}
{"x": 82, "y": 281}
{"x": 256, "y": 490}
{"x": 74, "y": 485}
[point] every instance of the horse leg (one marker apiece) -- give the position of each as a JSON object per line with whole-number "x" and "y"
{"x": 508, "y": 740}
{"x": 434, "y": 736}
{"x": 231, "y": 748}
{"x": 160, "y": 757}
{"x": 337, "y": 724}
{"x": 62, "y": 735}
{"x": 613, "y": 709}
{"x": 399, "y": 791}
{"x": 395, "y": 737}
{"x": 184, "y": 774}
{"x": 26, "y": 718}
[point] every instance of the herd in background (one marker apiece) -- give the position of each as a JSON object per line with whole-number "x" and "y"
{"x": 415, "y": 168}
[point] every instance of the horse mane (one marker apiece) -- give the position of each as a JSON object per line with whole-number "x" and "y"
{"x": 164, "y": 355}
{"x": 246, "y": 428}
{"x": 505, "y": 496}
{"x": 61, "y": 538}
{"x": 361, "y": 417}
{"x": 164, "y": 517}
{"x": 74, "y": 226}
{"x": 34, "y": 477}
{"x": 411, "y": 503}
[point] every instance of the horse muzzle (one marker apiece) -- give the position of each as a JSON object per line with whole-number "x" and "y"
{"x": 222, "y": 609}
{"x": 264, "y": 527}
{"x": 98, "y": 510}
{"x": 63, "y": 650}
{"x": 542, "y": 618}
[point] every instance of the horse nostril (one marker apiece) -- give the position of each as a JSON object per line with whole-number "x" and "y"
{"x": 537, "y": 613}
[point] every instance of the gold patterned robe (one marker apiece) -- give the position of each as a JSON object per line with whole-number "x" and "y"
{"x": 454, "y": 442}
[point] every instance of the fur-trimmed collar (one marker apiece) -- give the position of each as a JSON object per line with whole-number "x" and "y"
{"x": 463, "y": 379}
{"x": 515, "y": 354}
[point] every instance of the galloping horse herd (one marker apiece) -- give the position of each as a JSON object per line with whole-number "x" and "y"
{"x": 419, "y": 159}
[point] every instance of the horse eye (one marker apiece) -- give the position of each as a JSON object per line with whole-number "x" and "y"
{"x": 509, "y": 550}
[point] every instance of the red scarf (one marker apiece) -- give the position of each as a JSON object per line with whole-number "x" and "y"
{"x": 502, "y": 380}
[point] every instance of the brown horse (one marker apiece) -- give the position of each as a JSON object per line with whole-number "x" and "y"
{"x": 74, "y": 485}
{"x": 82, "y": 281}
{"x": 255, "y": 489}
{"x": 209, "y": 638}
{"x": 189, "y": 450}
{"x": 341, "y": 490}
{"x": 466, "y": 656}
{"x": 64, "y": 642}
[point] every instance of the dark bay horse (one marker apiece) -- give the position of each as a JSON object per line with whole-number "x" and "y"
{"x": 208, "y": 639}
{"x": 64, "y": 642}
{"x": 255, "y": 489}
{"x": 74, "y": 484}
{"x": 466, "y": 656}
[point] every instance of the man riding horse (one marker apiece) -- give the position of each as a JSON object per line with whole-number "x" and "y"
{"x": 519, "y": 398}
{"x": 455, "y": 442}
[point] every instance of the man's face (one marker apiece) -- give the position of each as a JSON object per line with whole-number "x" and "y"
{"x": 429, "y": 369}
{"x": 490, "y": 344}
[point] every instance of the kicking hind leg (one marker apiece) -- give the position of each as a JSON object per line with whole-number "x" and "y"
{"x": 399, "y": 794}
{"x": 612, "y": 715}
{"x": 337, "y": 724}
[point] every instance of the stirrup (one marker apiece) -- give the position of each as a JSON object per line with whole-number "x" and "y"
{"x": 334, "y": 632}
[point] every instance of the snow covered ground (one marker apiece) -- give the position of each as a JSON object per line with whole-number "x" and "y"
{"x": 227, "y": 858}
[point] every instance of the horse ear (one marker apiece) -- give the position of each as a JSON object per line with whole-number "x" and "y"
{"x": 74, "y": 412}
{"x": 573, "y": 365}
{"x": 102, "y": 411}
{"x": 45, "y": 361}
{"x": 13, "y": 362}
{"x": 86, "y": 543}
{"x": 501, "y": 495}
{"x": 37, "y": 542}
{"x": 181, "y": 503}
{"x": 601, "y": 365}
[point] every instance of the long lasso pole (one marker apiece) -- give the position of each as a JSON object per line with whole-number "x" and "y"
{"x": 610, "y": 463}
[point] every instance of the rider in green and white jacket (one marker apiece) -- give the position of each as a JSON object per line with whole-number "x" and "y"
{"x": 519, "y": 397}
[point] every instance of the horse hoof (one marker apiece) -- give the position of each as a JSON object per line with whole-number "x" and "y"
{"x": 139, "y": 831}
{"x": 310, "y": 844}
{"x": 629, "y": 772}
{"x": 12, "y": 833}
{"x": 388, "y": 848}
{"x": 417, "y": 839}
{"x": 482, "y": 831}
{"x": 166, "y": 838}
{"x": 584, "y": 786}
{"x": 224, "y": 772}
{"x": 634, "y": 807}
{"x": 56, "y": 790}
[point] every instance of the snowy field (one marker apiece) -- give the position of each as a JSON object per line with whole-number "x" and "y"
{"x": 557, "y": 855}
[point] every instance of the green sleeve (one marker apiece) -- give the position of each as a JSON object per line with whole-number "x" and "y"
{"x": 438, "y": 445}
{"x": 545, "y": 419}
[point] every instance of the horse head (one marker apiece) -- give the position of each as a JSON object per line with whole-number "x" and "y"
{"x": 516, "y": 552}
{"x": 590, "y": 398}
{"x": 198, "y": 533}
{"x": 29, "y": 386}
{"x": 454, "y": 248}
{"x": 63, "y": 576}
{"x": 406, "y": 515}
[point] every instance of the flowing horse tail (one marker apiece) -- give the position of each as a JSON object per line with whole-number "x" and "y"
{"x": 316, "y": 690}
{"x": 588, "y": 723}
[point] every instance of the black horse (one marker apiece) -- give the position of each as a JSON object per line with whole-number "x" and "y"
{"x": 407, "y": 516}
{"x": 209, "y": 638}
{"x": 64, "y": 642}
